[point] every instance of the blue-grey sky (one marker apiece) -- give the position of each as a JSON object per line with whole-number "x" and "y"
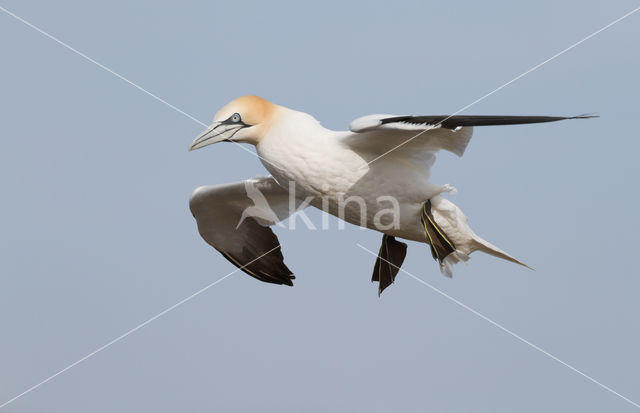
{"x": 97, "y": 236}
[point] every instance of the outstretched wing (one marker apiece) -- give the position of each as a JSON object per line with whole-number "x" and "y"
{"x": 382, "y": 133}
{"x": 234, "y": 219}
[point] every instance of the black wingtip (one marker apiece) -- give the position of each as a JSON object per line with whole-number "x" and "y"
{"x": 585, "y": 116}
{"x": 289, "y": 281}
{"x": 457, "y": 121}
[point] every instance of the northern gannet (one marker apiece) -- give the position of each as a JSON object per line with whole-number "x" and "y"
{"x": 375, "y": 175}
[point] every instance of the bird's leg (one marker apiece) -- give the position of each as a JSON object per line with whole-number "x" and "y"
{"x": 389, "y": 261}
{"x": 440, "y": 244}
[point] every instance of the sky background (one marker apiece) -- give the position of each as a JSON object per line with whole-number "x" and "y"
{"x": 97, "y": 236}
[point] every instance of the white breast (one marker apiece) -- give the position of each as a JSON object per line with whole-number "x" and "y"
{"x": 301, "y": 151}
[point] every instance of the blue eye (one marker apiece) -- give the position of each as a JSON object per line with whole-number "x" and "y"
{"x": 235, "y": 117}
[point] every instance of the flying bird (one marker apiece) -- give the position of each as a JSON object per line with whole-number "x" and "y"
{"x": 382, "y": 162}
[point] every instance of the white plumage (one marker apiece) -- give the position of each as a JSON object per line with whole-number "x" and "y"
{"x": 380, "y": 156}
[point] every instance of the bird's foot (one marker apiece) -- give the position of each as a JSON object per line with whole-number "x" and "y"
{"x": 390, "y": 258}
{"x": 441, "y": 246}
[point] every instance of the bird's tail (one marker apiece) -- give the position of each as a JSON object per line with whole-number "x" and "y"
{"x": 452, "y": 223}
{"x": 489, "y": 248}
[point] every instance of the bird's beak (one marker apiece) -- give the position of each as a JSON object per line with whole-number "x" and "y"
{"x": 217, "y": 132}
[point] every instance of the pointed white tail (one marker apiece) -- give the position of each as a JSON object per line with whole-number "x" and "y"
{"x": 454, "y": 224}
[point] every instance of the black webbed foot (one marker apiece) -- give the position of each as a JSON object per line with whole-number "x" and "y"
{"x": 389, "y": 261}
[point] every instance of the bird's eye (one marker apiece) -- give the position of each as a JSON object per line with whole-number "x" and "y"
{"x": 235, "y": 117}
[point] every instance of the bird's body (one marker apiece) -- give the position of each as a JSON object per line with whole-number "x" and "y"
{"x": 376, "y": 175}
{"x": 323, "y": 167}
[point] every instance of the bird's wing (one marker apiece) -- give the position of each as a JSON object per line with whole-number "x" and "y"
{"x": 234, "y": 219}
{"x": 379, "y": 134}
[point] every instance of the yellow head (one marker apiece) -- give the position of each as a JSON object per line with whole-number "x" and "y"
{"x": 246, "y": 119}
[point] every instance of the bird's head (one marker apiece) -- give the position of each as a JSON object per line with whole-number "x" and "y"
{"x": 246, "y": 119}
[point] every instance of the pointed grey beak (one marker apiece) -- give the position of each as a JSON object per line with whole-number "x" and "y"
{"x": 213, "y": 134}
